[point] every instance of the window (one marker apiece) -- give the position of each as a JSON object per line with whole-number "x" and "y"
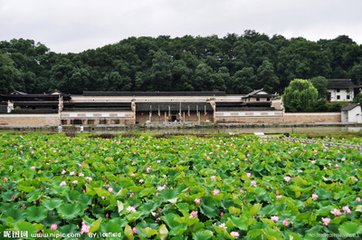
{"x": 268, "y": 99}
{"x": 348, "y": 97}
{"x": 337, "y": 90}
{"x": 338, "y": 97}
{"x": 102, "y": 121}
{"x": 257, "y": 99}
{"x": 90, "y": 122}
{"x": 64, "y": 122}
{"x": 76, "y": 121}
{"x": 115, "y": 121}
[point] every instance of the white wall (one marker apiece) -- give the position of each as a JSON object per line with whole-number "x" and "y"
{"x": 343, "y": 93}
{"x": 353, "y": 116}
{"x": 249, "y": 114}
{"x": 97, "y": 114}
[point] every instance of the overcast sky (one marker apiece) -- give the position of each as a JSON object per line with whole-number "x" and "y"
{"x": 77, "y": 25}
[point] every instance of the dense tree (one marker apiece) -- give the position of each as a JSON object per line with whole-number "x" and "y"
{"x": 300, "y": 96}
{"x": 9, "y": 75}
{"x": 234, "y": 63}
{"x": 266, "y": 77}
{"x": 320, "y": 83}
{"x": 358, "y": 98}
{"x": 243, "y": 80}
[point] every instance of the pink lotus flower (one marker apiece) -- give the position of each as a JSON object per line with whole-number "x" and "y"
{"x": 88, "y": 179}
{"x": 275, "y": 218}
{"x": 222, "y": 214}
{"x": 248, "y": 155}
{"x": 63, "y": 183}
{"x": 32, "y": 167}
{"x": 72, "y": 173}
{"x": 158, "y": 161}
{"x": 213, "y": 177}
{"x": 326, "y": 221}
{"x": 80, "y": 174}
{"x": 314, "y": 196}
{"x": 148, "y": 170}
{"x": 286, "y": 222}
{"x": 253, "y": 183}
{"x": 193, "y": 214}
{"x": 75, "y": 182}
{"x": 287, "y": 178}
{"x": 131, "y": 209}
{"x": 64, "y": 172}
{"x": 223, "y": 226}
{"x": 160, "y": 188}
{"x": 53, "y": 227}
{"x": 346, "y": 210}
{"x": 134, "y": 230}
{"x": 248, "y": 174}
{"x": 235, "y": 234}
{"x": 5, "y": 179}
{"x": 84, "y": 229}
{"x": 197, "y": 200}
{"x": 110, "y": 189}
{"x": 216, "y": 192}
{"x": 358, "y": 199}
{"x": 279, "y": 196}
{"x": 336, "y": 212}
{"x": 343, "y": 159}
{"x": 241, "y": 191}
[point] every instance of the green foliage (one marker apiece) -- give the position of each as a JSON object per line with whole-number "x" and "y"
{"x": 320, "y": 83}
{"x": 358, "y": 98}
{"x": 235, "y": 63}
{"x": 104, "y": 184}
{"x": 300, "y": 96}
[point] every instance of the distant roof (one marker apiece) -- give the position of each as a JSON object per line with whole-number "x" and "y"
{"x": 32, "y": 97}
{"x": 350, "y": 106}
{"x": 258, "y": 93}
{"x": 183, "y": 93}
{"x": 340, "y": 83}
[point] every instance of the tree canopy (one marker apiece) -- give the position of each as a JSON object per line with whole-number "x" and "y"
{"x": 300, "y": 96}
{"x": 234, "y": 63}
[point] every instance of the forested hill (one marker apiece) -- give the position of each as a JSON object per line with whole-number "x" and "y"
{"x": 235, "y": 63}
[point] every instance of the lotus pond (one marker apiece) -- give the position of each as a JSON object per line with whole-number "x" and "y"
{"x": 181, "y": 187}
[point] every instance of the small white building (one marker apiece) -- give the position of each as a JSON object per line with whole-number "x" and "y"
{"x": 341, "y": 90}
{"x": 351, "y": 113}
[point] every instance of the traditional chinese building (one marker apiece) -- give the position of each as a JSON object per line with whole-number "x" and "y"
{"x": 130, "y": 108}
{"x": 341, "y": 90}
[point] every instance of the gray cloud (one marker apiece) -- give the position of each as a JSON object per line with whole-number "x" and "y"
{"x": 77, "y": 25}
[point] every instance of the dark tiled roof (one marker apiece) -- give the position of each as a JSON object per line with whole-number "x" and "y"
{"x": 185, "y": 93}
{"x": 229, "y": 104}
{"x": 33, "y": 111}
{"x": 32, "y": 97}
{"x": 255, "y": 94}
{"x": 97, "y": 106}
{"x": 350, "y": 106}
{"x": 173, "y": 106}
{"x": 340, "y": 83}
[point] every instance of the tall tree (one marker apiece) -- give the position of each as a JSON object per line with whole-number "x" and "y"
{"x": 266, "y": 78}
{"x": 244, "y": 80}
{"x": 320, "y": 83}
{"x": 300, "y": 96}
